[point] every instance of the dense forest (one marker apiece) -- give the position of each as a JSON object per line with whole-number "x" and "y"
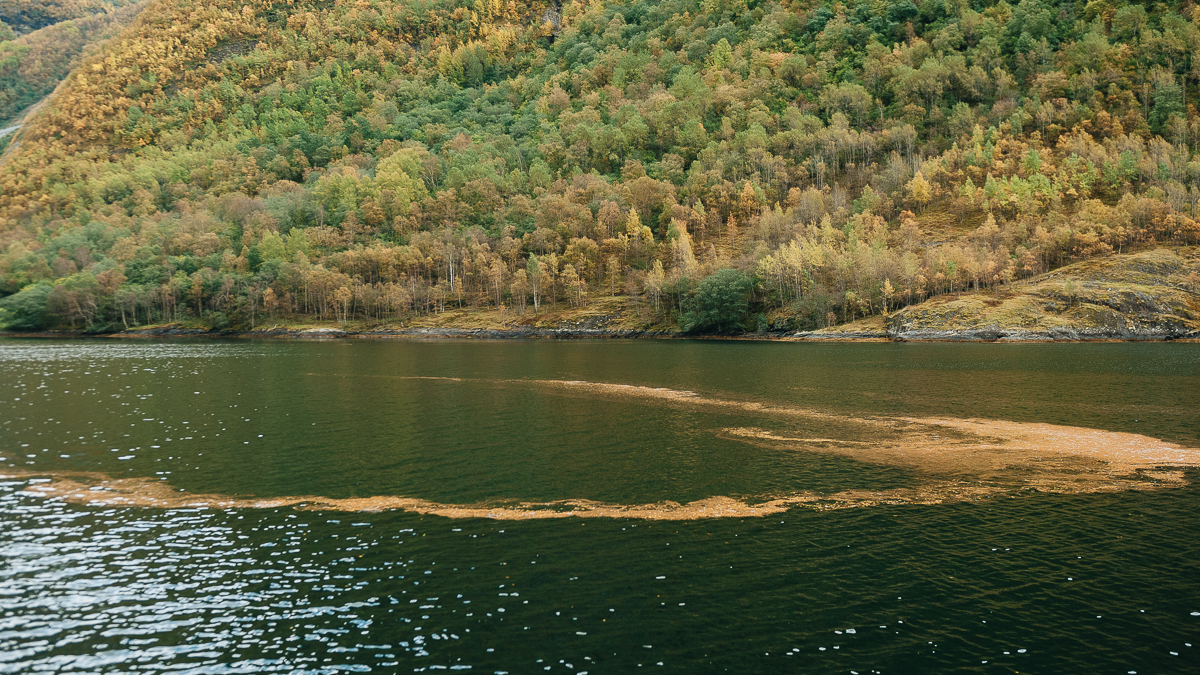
{"x": 359, "y": 160}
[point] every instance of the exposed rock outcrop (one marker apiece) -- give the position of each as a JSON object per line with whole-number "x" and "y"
{"x": 1153, "y": 295}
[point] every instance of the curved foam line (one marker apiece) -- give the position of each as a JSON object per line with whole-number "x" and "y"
{"x": 98, "y": 489}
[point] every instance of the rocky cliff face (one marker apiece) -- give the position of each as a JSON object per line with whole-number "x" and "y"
{"x": 1152, "y": 295}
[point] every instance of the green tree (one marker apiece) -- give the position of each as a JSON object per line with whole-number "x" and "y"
{"x": 1168, "y": 100}
{"x": 1032, "y": 161}
{"x": 720, "y": 303}
{"x": 721, "y": 54}
{"x": 26, "y": 310}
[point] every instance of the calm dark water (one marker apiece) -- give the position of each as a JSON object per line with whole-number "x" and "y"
{"x": 1040, "y": 583}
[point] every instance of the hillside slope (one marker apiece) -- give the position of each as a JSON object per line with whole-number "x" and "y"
{"x": 32, "y": 65}
{"x": 811, "y": 162}
{"x": 28, "y": 16}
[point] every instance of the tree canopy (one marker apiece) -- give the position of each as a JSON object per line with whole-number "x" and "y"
{"x": 720, "y": 303}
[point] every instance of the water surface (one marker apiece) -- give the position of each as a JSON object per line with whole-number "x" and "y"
{"x": 1028, "y": 580}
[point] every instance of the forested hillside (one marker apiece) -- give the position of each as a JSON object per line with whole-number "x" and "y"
{"x": 26, "y": 16}
{"x": 33, "y": 64}
{"x": 364, "y": 160}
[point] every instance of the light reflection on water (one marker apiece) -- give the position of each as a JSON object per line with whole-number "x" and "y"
{"x": 108, "y": 589}
{"x": 1041, "y": 583}
{"x": 913, "y": 588}
{"x": 92, "y": 354}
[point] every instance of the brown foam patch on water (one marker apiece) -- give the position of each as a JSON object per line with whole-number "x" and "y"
{"x": 996, "y": 456}
{"x": 1047, "y": 457}
{"x": 955, "y": 459}
{"x": 1121, "y": 450}
{"x": 682, "y": 398}
{"x": 977, "y": 443}
{"x": 674, "y": 397}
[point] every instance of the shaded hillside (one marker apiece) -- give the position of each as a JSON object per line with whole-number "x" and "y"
{"x": 32, "y": 65}
{"x": 27, "y": 16}
{"x": 372, "y": 161}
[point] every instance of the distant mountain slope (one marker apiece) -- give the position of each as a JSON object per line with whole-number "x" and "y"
{"x": 32, "y": 65}
{"x": 26, "y": 16}
{"x": 372, "y": 160}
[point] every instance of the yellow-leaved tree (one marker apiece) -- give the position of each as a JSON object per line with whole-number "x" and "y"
{"x": 919, "y": 191}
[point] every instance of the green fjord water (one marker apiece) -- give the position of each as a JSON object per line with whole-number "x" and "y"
{"x": 1031, "y": 582}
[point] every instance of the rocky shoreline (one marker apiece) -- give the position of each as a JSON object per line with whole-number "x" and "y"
{"x": 522, "y": 332}
{"x": 1059, "y": 334}
{"x": 326, "y": 333}
{"x": 989, "y": 334}
{"x": 1001, "y": 335}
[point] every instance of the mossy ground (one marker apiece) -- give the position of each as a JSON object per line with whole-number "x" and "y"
{"x": 605, "y": 312}
{"x": 609, "y": 313}
{"x": 871, "y": 324}
{"x": 939, "y": 223}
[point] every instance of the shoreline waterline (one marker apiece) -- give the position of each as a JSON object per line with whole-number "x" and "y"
{"x": 489, "y": 334}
